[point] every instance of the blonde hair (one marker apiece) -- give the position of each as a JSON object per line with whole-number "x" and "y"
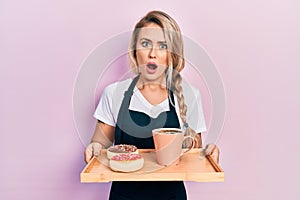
{"x": 176, "y": 60}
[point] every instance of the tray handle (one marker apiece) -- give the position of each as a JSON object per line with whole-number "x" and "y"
{"x": 214, "y": 164}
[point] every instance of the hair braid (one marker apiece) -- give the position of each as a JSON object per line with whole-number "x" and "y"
{"x": 178, "y": 91}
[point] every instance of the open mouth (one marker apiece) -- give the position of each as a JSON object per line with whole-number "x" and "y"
{"x": 152, "y": 66}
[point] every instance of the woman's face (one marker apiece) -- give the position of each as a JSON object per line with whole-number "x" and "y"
{"x": 151, "y": 53}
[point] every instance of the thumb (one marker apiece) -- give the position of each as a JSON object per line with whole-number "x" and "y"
{"x": 96, "y": 148}
{"x": 209, "y": 149}
{"x": 88, "y": 154}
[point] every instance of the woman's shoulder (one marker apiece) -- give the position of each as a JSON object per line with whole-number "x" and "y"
{"x": 189, "y": 89}
{"x": 118, "y": 86}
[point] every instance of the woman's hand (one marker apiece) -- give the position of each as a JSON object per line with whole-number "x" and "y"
{"x": 92, "y": 149}
{"x": 213, "y": 151}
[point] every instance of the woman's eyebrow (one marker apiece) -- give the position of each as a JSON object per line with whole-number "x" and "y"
{"x": 152, "y": 41}
{"x": 145, "y": 39}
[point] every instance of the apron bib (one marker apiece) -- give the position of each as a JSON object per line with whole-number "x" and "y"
{"x": 135, "y": 128}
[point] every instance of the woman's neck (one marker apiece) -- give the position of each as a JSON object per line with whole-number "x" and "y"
{"x": 154, "y": 92}
{"x": 151, "y": 85}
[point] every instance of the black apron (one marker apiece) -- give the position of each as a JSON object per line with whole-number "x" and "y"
{"x": 135, "y": 128}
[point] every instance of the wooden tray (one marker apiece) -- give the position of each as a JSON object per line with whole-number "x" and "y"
{"x": 190, "y": 168}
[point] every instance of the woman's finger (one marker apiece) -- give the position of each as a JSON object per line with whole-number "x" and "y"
{"x": 87, "y": 155}
{"x": 209, "y": 149}
{"x": 96, "y": 148}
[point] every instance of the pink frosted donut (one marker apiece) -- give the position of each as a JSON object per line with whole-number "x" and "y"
{"x": 126, "y": 162}
{"x": 121, "y": 148}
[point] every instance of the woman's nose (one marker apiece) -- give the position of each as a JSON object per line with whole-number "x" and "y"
{"x": 152, "y": 53}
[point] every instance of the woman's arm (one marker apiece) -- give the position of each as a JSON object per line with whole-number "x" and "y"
{"x": 198, "y": 139}
{"x": 103, "y": 138}
{"x": 104, "y": 134}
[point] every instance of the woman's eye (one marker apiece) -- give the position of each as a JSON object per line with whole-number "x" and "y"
{"x": 145, "y": 44}
{"x": 163, "y": 46}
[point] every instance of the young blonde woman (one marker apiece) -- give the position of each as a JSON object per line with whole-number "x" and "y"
{"x": 157, "y": 97}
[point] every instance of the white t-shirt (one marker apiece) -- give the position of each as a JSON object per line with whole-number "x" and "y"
{"x": 112, "y": 97}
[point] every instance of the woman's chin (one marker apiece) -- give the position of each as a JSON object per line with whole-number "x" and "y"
{"x": 155, "y": 77}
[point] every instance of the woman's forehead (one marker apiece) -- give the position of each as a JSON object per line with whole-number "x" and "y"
{"x": 152, "y": 32}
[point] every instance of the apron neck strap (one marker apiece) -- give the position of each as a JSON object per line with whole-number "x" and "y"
{"x": 129, "y": 91}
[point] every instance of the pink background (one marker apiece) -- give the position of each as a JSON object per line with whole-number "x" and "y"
{"x": 254, "y": 44}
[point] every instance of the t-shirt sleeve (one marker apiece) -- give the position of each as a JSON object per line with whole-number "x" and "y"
{"x": 104, "y": 112}
{"x": 195, "y": 114}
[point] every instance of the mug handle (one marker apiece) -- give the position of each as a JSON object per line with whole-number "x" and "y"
{"x": 192, "y": 146}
